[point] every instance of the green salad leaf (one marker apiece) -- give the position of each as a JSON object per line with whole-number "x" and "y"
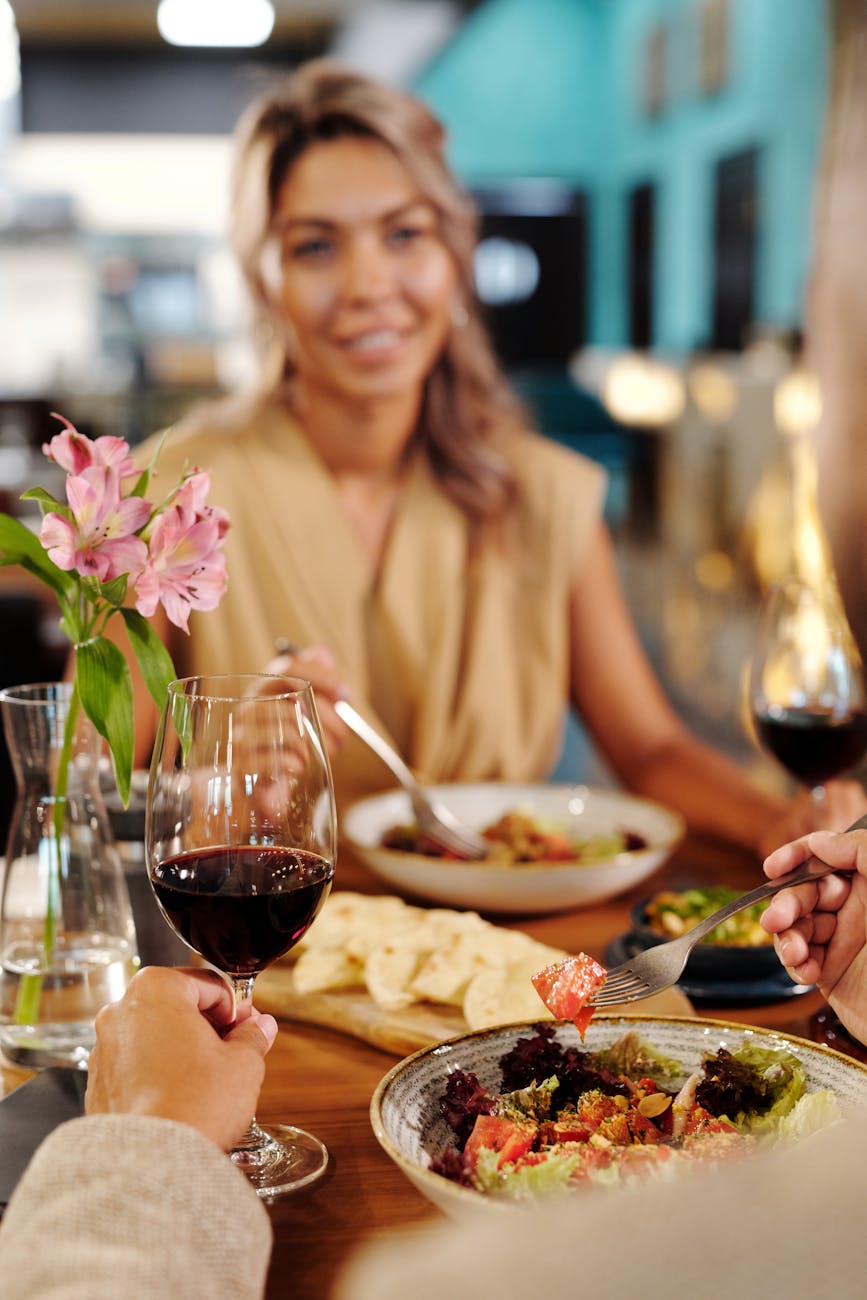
{"x": 635, "y": 1058}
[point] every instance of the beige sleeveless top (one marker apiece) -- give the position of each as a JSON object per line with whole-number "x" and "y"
{"x": 463, "y": 660}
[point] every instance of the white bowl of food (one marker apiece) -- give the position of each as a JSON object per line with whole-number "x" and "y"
{"x": 605, "y": 843}
{"x": 458, "y": 1175}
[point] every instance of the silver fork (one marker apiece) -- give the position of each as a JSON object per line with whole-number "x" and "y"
{"x": 434, "y": 819}
{"x": 658, "y": 968}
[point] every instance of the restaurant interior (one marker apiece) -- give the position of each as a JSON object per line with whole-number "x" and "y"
{"x": 645, "y": 176}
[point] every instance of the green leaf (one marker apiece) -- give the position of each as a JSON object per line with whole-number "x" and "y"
{"x": 115, "y": 591}
{"x": 141, "y": 484}
{"x": 153, "y": 658}
{"x": 47, "y": 501}
{"x": 19, "y": 546}
{"x": 27, "y": 999}
{"x": 105, "y": 686}
{"x": 143, "y": 481}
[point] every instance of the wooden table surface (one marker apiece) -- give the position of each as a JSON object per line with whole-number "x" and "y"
{"x": 323, "y": 1081}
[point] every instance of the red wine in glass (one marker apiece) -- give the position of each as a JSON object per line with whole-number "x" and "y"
{"x": 813, "y": 744}
{"x": 240, "y": 843}
{"x": 807, "y": 689}
{"x": 242, "y": 906}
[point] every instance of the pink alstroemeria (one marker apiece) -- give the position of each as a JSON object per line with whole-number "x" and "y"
{"x": 185, "y": 568}
{"x": 191, "y": 501}
{"x": 100, "y": 539}
{"x": 75, "y": 452}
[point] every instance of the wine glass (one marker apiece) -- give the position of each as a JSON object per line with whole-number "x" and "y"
{"x": 807, "y": 686}
{"x": 240, "y": 841}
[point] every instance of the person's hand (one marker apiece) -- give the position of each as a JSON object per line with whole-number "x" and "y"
{"x": 169, "y": 1048}
{"x": 820, "y": 929}
{"x": 844, "y": 803}
{"x": 317, "y": 664}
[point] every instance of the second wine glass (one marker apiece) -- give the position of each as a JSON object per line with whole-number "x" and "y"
{"x": 807, "y": 687}
{"x": 240, "y": 841}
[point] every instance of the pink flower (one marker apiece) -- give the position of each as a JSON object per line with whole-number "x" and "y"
{"x": 100, "y": 538}
{"x": 185, "y": 568}
{"x": 191, "y": 502}
{"x": 75, "y": 453}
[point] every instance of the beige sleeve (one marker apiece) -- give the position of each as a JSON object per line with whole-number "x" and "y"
{"x": 118, "y": 1205}
{"x": 784, "y": 1223}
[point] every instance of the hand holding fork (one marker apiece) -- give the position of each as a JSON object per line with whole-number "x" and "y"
{"x": 812, "y": 924}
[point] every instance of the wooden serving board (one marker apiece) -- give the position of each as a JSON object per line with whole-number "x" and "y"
{"x": 353, "y": 1011}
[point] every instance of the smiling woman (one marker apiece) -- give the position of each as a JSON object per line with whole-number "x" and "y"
{"x": 443, "y": 565}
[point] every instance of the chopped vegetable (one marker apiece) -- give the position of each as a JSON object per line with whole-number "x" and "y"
{"x": 567, "y": 988}
{"x": 600, "y": 1117}
{"x": 520, "y": 837}
{"x": 670, "y": 914}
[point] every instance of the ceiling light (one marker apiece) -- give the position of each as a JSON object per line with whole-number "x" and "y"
{"x": 215, "y": 22}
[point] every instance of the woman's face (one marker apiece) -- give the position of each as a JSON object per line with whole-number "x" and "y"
{"x": 367, "y": 283}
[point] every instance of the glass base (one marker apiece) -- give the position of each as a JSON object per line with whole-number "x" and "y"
{"x": 285, "y": 1159}
{"x": 36, "y": 1047}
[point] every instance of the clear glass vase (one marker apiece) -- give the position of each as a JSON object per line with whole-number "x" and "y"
{"x": 67, "y": 936}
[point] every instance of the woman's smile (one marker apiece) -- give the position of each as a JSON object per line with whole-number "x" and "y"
{"x": 367, "y": 284}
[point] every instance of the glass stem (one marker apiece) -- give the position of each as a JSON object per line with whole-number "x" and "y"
{"x": 242, "y": 987}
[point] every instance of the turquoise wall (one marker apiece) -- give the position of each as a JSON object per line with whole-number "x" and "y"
{"x": 553, "y": 88}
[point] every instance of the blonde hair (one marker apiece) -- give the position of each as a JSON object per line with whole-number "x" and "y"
{"x": 468, "y": 407}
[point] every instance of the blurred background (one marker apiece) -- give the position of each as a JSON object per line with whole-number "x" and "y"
{"x": 644, "y": 171}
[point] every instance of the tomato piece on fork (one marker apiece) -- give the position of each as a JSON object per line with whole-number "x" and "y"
{"x": 568, "y": 986}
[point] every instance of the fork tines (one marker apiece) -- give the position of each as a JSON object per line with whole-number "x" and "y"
{"x": 624, "y": 987}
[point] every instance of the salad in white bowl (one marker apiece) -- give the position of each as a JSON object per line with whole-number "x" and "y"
{"x": 553, "y": 847}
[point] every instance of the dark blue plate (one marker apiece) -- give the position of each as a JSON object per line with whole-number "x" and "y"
{"x": 770, "y": 987}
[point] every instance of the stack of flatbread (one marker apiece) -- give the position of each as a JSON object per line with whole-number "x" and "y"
{"x": 403, "y": 955}
{"x": 403, "y": 977}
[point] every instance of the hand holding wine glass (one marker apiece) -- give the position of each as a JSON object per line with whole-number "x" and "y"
{"x": 240, "y": 842}
{"x": 807, "y": 687}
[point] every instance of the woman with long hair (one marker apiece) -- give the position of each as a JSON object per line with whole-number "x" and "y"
{"x": 392, "y": 512}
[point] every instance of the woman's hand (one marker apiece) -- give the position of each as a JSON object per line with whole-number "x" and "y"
{"x": 844, "y": 803}
{"x": 172, "y": 1048}
{"x": 820, "y": 930}
{"x": 316, "y": 663}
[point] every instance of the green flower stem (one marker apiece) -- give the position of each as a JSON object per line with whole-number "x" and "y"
{"x": 29, "y": 995}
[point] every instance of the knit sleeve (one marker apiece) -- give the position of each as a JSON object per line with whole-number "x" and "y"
{"x": 123, "y": 1205}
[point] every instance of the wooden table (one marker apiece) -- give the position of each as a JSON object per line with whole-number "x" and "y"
{"x": 323, "y": 1081}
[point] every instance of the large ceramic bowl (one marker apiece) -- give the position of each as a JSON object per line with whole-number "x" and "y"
{"x": 528, "y": 888}
{"x": 405, "y": 1115}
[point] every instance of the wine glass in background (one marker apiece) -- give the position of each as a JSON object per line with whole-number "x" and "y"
{"x": 807, "y": 686}
{"x": 240, "y": 842}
